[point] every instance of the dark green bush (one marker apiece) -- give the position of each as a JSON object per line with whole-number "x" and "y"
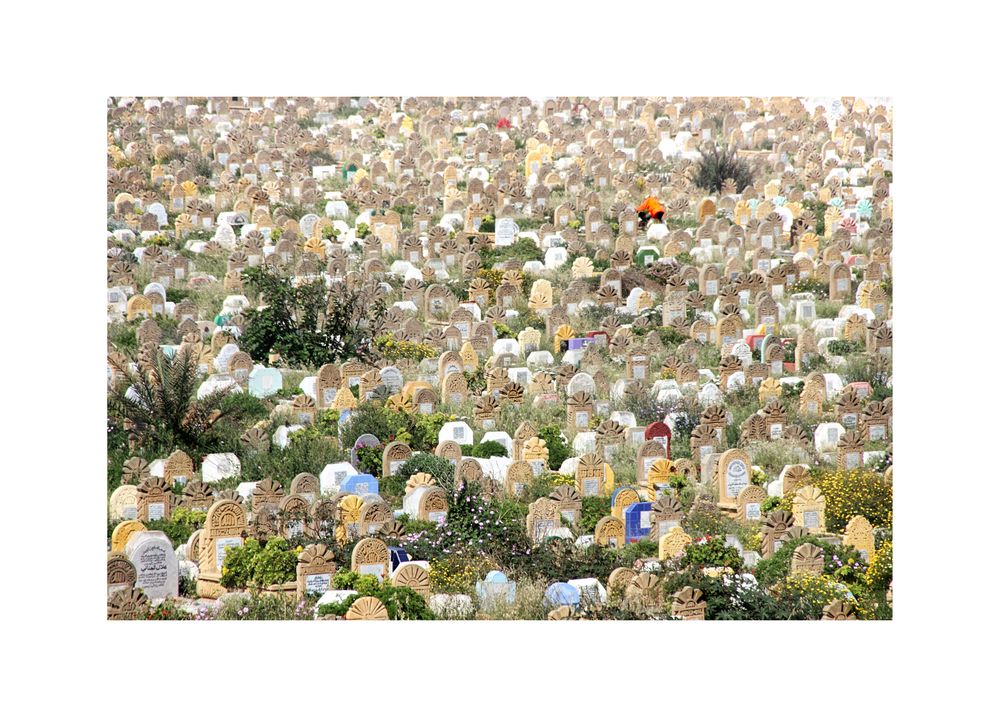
{"x": 400, "y": 602}
{"x": 712, "y": 552}
{"x": 594, "y": 508}
{"x": 559, "y": 449}
{"x": 251, "y": 565}
{"x": 289, "y": 322}
{"x": 840, "y": 347}
{"x": 441, "y": 469}
{"x": 488, "y": 449}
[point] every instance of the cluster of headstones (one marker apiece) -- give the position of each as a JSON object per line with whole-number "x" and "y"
{"x": 750, "y": 246}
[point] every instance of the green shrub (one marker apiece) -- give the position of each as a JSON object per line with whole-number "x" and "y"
{"x": 594, "y": 508}
{"x": 182, "y": 523}
{"x": 440, "y": 469}
{"x": 400, "y": 602}
{"x": 370, "y": 460}
{"x": 488, "y": 449}
{"x": 840, "y": 347}
{"x": 122, "y": 337}
{"x": 559, "y": 449}
{"x": 727, "y": 597}
{"x": 839, "y": 561}
{"x": 425, "y": 430}
{"x": 523, "y": 250}
{"x": 711, "y": 552}
{"x": 769, "y": 504}
{"x": 306, "y": 453}
{"x": 250, "y": 565}
{"x": 374, "y": 418}
{"x": 559, "y": 559}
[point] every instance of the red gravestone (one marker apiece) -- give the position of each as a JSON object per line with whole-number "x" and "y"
{"x": 660, "y": 432}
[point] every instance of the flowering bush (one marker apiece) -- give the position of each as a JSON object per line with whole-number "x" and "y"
{"x": 394, "y": 349}
{"x": 167, "y": 610}
{"x": 804, "y": 596}
{"x": 456, "y": 573}
{"x": 494, "y": 277}
{"x": 562, "y": 479}
{"x": 704, "y": 518}
{"x": 727, "y": 597}
{"x": 370, "y": 459}
{"x": 879, "y": 573}
{"x": 840, "y": 561}
{"x": 258, "y": 606}
{"x": 855, "y": 492}
{"x": 475, "y": 527}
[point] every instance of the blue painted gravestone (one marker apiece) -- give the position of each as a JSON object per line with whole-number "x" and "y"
{"x": 397, "y": 556}
{"x": 264, "y": 381}
{"x": 332, "y": 477}
{"x": 619, "y": 489}
{"x": 637, "y": 521}
{"x": 360, "y": 484}
{"x": 558, "y": 594}
{"x": 495, "y": 586}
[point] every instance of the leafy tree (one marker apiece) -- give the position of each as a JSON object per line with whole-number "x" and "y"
{"x": 310, "y": 324}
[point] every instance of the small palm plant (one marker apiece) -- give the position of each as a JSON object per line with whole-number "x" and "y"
{"x": 715, "y": 167}
{"x": 159, "y": 407}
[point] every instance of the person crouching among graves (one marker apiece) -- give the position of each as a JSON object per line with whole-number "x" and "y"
{"x": 650, "y": 208}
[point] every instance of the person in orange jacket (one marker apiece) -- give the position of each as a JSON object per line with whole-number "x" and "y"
{"x": 650, "y": 208}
